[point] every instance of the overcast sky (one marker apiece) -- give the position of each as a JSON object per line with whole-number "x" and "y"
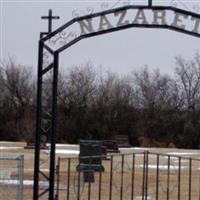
{"x": 121, "y": 52}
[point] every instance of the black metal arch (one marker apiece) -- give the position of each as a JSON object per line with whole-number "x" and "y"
{"x": 75, "y": 20}
{"x": 54, "y": 65}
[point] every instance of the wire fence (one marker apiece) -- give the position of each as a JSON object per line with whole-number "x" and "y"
{"x": 135, "y": 176}
{"x": 11, "y": 177}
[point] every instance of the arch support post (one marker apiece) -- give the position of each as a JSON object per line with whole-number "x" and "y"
{"x": 54, "y": 125}
{"x": 39, "y": 131}
{"x": 38, "y": 122}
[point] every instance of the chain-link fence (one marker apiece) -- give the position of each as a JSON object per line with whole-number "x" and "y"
{"x": 11, "y": 177}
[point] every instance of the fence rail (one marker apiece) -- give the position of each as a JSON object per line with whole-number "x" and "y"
{"x": 135, "y": 176}
{"x": 11, "y": 177}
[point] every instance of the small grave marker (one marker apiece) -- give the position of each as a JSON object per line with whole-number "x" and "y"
{"x": 30, "y": 144}
{"x": 110, "y": 146}
{"x": 122, "y": 141}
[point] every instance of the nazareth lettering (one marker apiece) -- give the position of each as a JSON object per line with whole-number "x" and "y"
{"x": 86, "y": 26}
{"x": 142, "y": 17}
{"x": 196, "y": 24}
{"x": 159, "y": 17}
{"x": 104, "y": 23}
{"x": 121, "y": 20}
{"x": 179, "y": 20}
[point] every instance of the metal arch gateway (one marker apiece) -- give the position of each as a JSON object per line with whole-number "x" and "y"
{"x": 84, "y": 27}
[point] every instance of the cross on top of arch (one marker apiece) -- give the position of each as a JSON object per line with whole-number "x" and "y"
{"x": 50, "y": 17}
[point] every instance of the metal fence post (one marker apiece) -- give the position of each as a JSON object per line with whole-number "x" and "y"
{"x": 122, "y": 174}
{"x": 57, "y": 179}
{"x": 21, "y": 177}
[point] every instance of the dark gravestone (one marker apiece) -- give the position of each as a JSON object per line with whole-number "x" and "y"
{"x": 110, "y": 146}
{"x": 30, "y": 144}
{"x": 90, "y": 159}
{"x": 122, "y": 141}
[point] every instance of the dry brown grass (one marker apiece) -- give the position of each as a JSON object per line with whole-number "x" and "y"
{"x": 164, "y": 184}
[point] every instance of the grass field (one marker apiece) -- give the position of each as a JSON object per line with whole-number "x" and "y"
{"x": 131, "y": 182}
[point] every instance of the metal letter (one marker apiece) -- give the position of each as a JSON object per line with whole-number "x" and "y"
{"x": 86, "y": 26}
{"x": 177, "y": 20}
{"x": 122, "y": 15}
{"x": 104, "y": 22}
{"x": 159, "y": 15}
{"x": 140, "y": 16}
{"x": 196, "y": 24}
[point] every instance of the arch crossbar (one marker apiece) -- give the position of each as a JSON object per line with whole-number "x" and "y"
{"x": 85, "y": 30}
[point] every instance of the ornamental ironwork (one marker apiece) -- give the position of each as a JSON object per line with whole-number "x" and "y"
{"x": 176, "y": 15}
{"x": 124, "y": 17}
{"x": 192, "y": 6}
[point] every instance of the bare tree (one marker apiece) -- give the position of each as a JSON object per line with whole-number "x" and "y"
{"x": 152, "y": 89}
{"x": 17, "y": 86}
{"x": 76, "y": 92}
{"x": 80, "y": 84}
{"x": 188, "y": 80}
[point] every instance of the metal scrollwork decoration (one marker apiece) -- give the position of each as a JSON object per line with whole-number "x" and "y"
{"x": 78, "y": 13}
{"x": 196, "y": 8}
{"x": 181, "y": 4}
{"x": 106, "y": 5}
{"x": 63, "y": 38}
{"x": 178, "y": 3}
{"x": 174, "y": 3}
{"x": 47, "y": 59}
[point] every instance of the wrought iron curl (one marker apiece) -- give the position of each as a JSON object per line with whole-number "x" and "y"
{"x": 107, "y": 5}
{"x": 182, "y": 4}
{"x": 178, "y": 3}
{"x": 196, "y": 8}
{"x": 46, "y": 59}
{"x": 126, "y": 3}
{"x": 77, "y": 13}
{"x": 63, "y": 38}
{"x": 104, "y": 6}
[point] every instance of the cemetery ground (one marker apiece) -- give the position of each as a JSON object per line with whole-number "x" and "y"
{"x": 168, "y": 176}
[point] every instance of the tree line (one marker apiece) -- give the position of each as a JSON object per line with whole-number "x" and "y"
{"x": 153, "y": 109}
